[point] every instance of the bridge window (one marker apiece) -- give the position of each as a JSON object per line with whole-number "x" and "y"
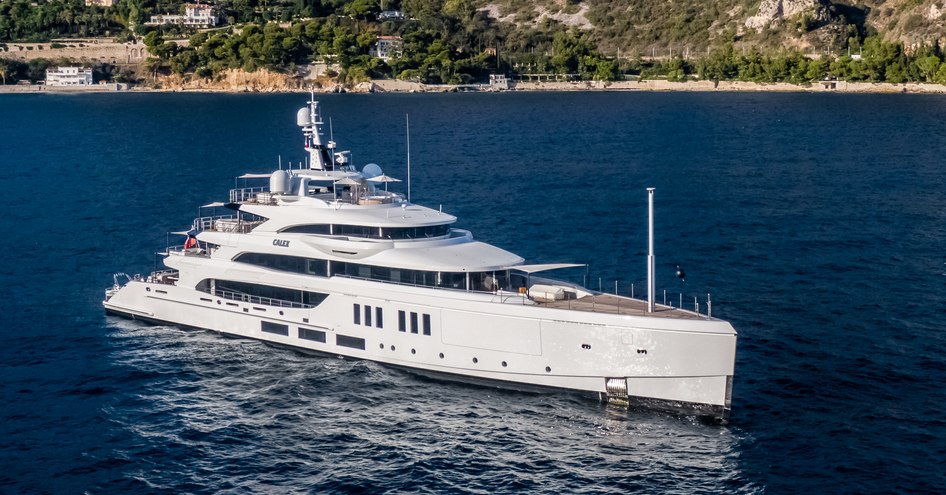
{"x": 371, "y": 232}
{"x": 320, "y": 228}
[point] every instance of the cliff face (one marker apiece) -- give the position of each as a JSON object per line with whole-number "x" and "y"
{"x": 773, "y": 11}
{"x": 261, "y": 81}
{"x": 648, "y": 27}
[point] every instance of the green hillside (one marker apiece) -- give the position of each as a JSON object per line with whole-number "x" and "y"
{"x": 463, "y": 41}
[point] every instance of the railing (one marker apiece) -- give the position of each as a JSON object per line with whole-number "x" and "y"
{"x": 425, "y": 286}
{"x": 166, "y": 277}
{"x": 225, "y": 223}
{"x": 180, "y": 250}
{"x": 245, "y": 194}
{"x": 266, "y": 301}
{"x": 668, "y": 297}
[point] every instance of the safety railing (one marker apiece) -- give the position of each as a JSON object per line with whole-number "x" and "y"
{"x": 265, "y": 301}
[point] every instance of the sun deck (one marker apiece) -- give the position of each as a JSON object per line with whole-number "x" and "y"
{"x": 606, "y": 303}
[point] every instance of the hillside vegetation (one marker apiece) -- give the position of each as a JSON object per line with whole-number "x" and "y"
{"x": 463, "y": 41}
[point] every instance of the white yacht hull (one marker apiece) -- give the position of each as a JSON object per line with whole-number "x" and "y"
{"x": 684, "y": 364}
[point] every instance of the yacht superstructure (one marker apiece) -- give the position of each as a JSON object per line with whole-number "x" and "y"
{"x": 326, "y": 259}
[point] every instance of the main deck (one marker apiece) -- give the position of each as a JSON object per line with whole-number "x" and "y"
{"x": 607, "y": 303}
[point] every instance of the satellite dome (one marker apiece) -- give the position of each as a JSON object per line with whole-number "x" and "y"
{"x": 302, "y": 117}
{"x": 371, "y": 170}
{"x": 279, "y": 182}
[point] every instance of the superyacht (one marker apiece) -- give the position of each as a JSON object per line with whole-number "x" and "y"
{"x": 326, "y": 259}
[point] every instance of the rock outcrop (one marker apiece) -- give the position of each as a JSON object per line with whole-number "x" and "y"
{"x": 771, "y": 11}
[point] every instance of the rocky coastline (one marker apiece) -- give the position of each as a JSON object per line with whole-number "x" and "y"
{"x": 270, "y": 82}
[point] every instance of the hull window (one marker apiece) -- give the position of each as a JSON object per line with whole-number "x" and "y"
{"x": 426, "y": 324}
{"x": 367, "y": 316}
{"x": 313, "y": 335}
{"x": 276, "y": 328}
{"x": 401, "y": 321}
{"x": 413, "y": 322}
{"x": 356, "y": 314}
{"x": 378, "y": 317}
{"x": 351, "y": 342}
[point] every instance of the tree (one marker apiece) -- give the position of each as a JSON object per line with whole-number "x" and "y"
{"x": 928, "y": 66}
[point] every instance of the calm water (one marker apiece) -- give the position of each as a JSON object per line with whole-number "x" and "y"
{"x": 817, "y": 222}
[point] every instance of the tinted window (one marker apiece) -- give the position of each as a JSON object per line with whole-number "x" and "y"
{"x": 401, "y": 321}
{"x": 378, "y": 317}
{"x": 308, "y": 229}
{"x": 357, "y": 314}
{"x": 266, "y": 294}
{"x": 426, "y": 324}
{"x": 352, "y": 342}
{"x": 314, "y": 335}
{"x": 277, "y": 328}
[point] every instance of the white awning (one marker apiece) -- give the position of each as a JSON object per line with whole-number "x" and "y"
{"x": 543, "y": 267}
{"x": 213, "y": 205}
{"x": 254, "y": 176}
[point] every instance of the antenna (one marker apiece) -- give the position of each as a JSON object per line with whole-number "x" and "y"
{"x": 650, "y": 250}
{"x": 407, "y": 118}
{"x": 331, "y": 139}
{"x": 279, "y": 157}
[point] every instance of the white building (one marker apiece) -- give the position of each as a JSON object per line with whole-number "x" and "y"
{"x": 387, "y": 47}
{"x": 68, "y": 76}
{"x": 195, "y": 15}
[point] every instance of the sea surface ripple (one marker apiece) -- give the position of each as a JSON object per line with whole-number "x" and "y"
{"x": 816, "y": 221}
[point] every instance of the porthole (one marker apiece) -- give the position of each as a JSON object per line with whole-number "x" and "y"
{"x": 413, "y": 351}
{"x": 548, "y": 369}
{"x": 218, "y": 301}
{"x": 441, "y": 355}
{"x": 475, "y": 360}
{"x": 504, "y": 364}
{"x": 392, "y": 347}
{"x": 147, "y": 289}
{"x": 280, "y": 313}
{"x": 381, "y": 345}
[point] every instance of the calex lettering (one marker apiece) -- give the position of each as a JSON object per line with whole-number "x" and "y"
{"x": 280, "y": 243}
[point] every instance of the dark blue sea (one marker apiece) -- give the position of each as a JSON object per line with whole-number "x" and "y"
{"x": 816, "y": 221}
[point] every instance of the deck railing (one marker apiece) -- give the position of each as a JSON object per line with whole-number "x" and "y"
{"x": 265, "y": 301}
{"x": 245, "y": 194}
{"x": 225, "y": 223}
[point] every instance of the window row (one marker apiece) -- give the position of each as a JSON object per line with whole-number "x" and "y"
{"x": 393, "y": 233}
{"x": 402, "y": 319}
{"x": 476, "y": 281}
{"x": 261, "y": 294}
{"x": 378, "y": 316}
{"x": 313, "y": 335}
